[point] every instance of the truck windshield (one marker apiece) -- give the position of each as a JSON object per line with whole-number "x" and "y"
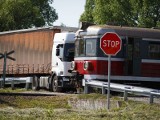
{"x": 69, "y": 52}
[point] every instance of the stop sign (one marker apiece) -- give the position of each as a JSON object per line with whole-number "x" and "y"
{"x": 110, "y": 43}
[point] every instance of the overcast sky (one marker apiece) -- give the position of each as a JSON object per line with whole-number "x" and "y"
{"x": 69, "y": 11}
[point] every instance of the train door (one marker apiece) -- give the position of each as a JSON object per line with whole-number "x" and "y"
{"x": 133, "y": 57}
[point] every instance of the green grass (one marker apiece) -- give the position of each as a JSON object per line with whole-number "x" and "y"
{"x": 9, "y": 90}
{"x": 92, "y": 96}
{"x": 32, "y": 102}
{"x": 71, "y": 114}
{"x": 57, "y": 108}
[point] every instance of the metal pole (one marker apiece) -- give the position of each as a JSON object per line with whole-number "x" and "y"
{"x": 109, "y": 73}
{"x": 4, "y": 69}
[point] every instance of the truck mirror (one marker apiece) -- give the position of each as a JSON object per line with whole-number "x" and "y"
{"x": 59, "y": 45}
{"x": 59, "y": 50}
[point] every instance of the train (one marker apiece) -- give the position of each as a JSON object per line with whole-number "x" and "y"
{"x": 43, "y": 54}
{"x": 137, "y": 63}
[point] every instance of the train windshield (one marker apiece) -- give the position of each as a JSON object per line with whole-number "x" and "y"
{"x": 90, "y": 47}
{"x": 85, "y": 47}
{"x": 69, "y": 52}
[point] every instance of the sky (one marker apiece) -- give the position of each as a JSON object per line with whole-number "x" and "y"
{"x": 69, "y": 12}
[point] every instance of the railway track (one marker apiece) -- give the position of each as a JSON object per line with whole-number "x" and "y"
{"x": 32, "y": 93}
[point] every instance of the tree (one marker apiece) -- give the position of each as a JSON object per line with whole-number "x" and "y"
{"x": 143, "y": 13}
{"x": 87, "y": 15}
{"x": 149, "y": 15}
{"x": 101, "y": 11}
{"x": 20, "y": 14}
{"x": 109, "y": 11}
{"x": 121, "y": 12}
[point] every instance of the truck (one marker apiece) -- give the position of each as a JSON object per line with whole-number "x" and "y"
{"x": 44, "y": 54}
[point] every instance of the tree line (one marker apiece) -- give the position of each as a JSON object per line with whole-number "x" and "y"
{"x": 141, "y": 13}
{"x": 23, "y": 14}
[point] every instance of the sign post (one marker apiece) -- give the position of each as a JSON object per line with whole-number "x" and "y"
{"x": 109, "y": 74}
{"x": 110, "y": 43}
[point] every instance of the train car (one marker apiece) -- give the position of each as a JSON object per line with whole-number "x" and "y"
{"x": 138, "y": 61}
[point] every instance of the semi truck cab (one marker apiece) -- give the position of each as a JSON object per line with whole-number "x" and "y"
{"x": 62, "y": 55}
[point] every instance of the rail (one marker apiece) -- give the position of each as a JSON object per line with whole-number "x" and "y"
{"x": 17, "y": 80}
{"x": 122, "y": 88}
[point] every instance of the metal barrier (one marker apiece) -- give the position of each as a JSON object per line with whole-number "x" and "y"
{"x": 20, "y": 80}
{"x": 122, "y": 88}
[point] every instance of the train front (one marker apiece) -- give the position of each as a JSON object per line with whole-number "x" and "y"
{"x": 90, "y": 62}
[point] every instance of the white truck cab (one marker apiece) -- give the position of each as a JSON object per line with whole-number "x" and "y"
{"x": 62, "y": 53}
{"x": 62, "y": 56}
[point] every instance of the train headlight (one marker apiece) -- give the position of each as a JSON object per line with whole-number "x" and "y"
{"x": 73, "y": 65}
{"x": 86, "y": 65}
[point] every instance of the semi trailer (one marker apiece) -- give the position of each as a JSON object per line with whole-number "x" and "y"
{"x": 44, "y": 54}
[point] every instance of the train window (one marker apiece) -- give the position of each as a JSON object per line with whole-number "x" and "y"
{"x": 76, "y": 47}
{"x": 79, "y": 47}
{"x": 130, "y": 48}
{"x": 154, "y": 50}
{"x": 91, "y": 47}
{"x": 136, "y": 49}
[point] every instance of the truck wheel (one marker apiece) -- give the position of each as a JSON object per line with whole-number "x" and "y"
{"x": 55, "y": 85}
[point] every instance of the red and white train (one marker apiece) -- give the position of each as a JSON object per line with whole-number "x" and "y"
{"x": 137, "y": 62}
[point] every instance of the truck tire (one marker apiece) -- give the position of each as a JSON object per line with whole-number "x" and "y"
{"x": 55, "y": 85}
{"x": 35, "y": 83}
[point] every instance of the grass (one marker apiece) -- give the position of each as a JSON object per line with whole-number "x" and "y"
{"x": 71, "y": 114}
{"x": 57, "y": 108}
{"x": 48, "y": 102}
{"x": 91, "y": 96}
{"x": 9, "y": 90}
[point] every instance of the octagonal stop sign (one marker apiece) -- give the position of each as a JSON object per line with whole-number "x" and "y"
{"x": 110, "y": 43}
